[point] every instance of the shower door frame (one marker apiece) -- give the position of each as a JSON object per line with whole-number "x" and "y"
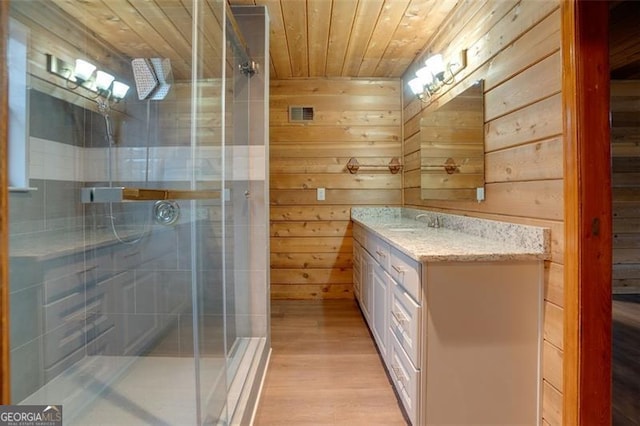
{"x": 5, "y": 377}
{"x": 5, "y": 394}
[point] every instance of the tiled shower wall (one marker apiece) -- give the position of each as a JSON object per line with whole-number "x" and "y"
{"x": 68, "y": 150}
{"x": 250, "y": 149}
{"x": 58, "y": 284}
{"x": 58, "y": 131}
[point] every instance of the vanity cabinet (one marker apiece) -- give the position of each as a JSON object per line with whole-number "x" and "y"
{"x": 391, "y": 310}
{"x": 405, "y": 321}
{"x": 460, "y": 338}
{"x": 380, "y": 283}
{"x": 357, "y": 269}
{"x": 363, "y": 280}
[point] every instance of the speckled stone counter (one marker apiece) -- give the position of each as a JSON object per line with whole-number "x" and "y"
{"x": 43, "y": 246}
{"x": 457, "y": 238}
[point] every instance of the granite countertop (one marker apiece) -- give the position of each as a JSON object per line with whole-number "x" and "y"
{"x": 43, "y": 246}
{"x": 458, "y": 238}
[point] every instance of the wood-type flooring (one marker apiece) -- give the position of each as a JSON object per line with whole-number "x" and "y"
{"x": 324, "y": 369}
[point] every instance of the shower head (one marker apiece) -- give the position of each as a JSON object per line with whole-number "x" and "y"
{"x": 153, "y": 77}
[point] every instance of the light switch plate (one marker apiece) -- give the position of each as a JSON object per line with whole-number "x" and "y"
{"x": 320, "y": 194}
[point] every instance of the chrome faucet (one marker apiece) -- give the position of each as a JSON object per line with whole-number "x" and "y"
{"x": 435, "y": 223}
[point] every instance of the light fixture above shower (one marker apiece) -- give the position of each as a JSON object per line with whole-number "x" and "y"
{"x": 85, "y": 74}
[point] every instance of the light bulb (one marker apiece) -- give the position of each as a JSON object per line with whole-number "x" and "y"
{"x": 425, "y": 75}
{"x": 416, "y": 85}
{"x": 119, "y": 90}
{"x": 436, "y": 66}
{"x": 103, "y": 80}
{"x": 83, "y": 70}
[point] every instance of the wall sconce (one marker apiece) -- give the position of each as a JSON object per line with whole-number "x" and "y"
{"x": 83, "y": 70}
{"x": 435, "y": 74}
{"x": 84, "y": 74}
{"x": 103, "y": 81}
{"x": 119, "y": 90}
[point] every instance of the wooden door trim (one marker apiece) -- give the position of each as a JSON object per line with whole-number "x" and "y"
{"x": 587, "y": 206}
{"x": 5, "y": 386}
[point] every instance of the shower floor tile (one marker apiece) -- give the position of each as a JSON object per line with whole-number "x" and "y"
{"x": 154, "y": 390}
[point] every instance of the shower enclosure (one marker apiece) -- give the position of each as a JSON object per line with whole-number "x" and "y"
{"x": 138, "y": 219}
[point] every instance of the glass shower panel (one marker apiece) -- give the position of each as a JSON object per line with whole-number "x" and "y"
{"x": 237, "y": 278}
{"x": 208, "y": 237}
{"x": 117, "y": 310}
{"x": 227, "y": 278}
{"x": 245, "y": 280}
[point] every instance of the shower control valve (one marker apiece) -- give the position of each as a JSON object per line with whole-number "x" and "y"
{"x": 166, "y": 212}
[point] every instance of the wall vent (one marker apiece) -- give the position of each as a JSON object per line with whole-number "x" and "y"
{"x": 300, "y": 113}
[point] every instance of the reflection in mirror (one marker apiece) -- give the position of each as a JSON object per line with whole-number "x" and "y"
{"x": 452, "y": 148}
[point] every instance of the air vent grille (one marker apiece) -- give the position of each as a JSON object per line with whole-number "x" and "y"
{"x": 300, "y": 113}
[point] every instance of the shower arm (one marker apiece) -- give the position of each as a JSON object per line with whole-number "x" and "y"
{"x": 101, "y": 194}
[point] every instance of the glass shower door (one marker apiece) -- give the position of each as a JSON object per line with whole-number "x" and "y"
{"x": 138, "y": 245}
{"x": 228, "y": 273}
{"x": 245, "y": 269}
{"x": 117, "y": 309}
{"x": 237, "y": 276}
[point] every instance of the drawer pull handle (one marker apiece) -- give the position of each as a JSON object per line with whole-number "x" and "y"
{"x": 90, "y": 268}
{"x": 398, "y": 269}
{"x": 381, "y": 253}
{"x": 128, "y": 255}
{"x": 398, "y": 372}
{"x": 399, "y": 316}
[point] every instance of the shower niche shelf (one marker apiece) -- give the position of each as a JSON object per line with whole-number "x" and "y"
{"x": 101, "y": 194}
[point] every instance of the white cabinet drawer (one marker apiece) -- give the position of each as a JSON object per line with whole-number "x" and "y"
{"x": 405, "y": 322}
{"x": 357, "y": 269}
{"x": 366, "y": 285}
{"x": 379, "y": 250}
{"x": 359, "y": 234}
{"x": 380, "y": 311}
{"x": 406, "y": 272}
{"x": 406, "y": 379}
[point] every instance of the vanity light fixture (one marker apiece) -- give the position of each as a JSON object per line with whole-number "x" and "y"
{"x": 103, "y": 81}
{"x": 83, "y": 71}
{"x": 435, "y": 74}
{"x": 119, "y": 90}
{"x": 85, "y": 74}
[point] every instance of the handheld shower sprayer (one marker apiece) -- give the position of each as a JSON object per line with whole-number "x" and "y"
{"x": 104, "y": 109}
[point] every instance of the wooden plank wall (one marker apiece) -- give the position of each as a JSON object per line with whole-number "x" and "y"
{"x": 53, "y": 32}
{"x": 515, "y": 47}
{"x": 625, "y": 137}
{"x": 311, "y": 240}
{"x": 155, "y": 29}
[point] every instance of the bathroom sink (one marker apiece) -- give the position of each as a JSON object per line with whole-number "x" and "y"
{"x": 402, "y": 229}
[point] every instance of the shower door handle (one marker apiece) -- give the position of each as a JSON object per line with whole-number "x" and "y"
{"x": 104, "y": 194}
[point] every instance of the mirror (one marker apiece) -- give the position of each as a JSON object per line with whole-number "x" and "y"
{"x": 452, "y": 148}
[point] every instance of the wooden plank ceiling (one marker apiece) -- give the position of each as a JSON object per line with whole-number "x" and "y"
{"x": 147, "y": 28}
{"x": 349, "y": 38}
{"x": 309, "y": 38}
